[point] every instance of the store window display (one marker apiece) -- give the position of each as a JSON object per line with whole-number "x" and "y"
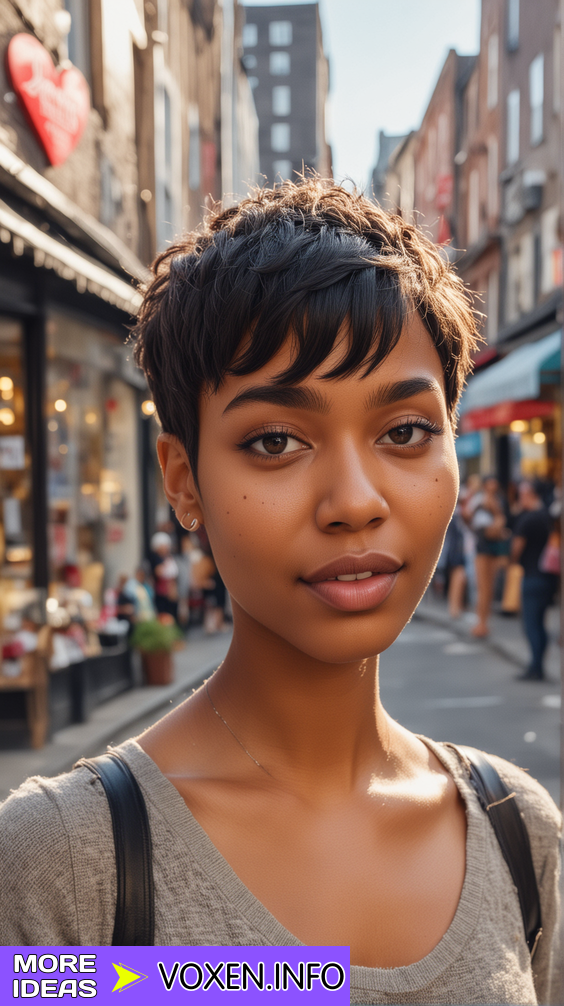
{"x": 24, "y": 644}
{"x": 93, "y": 491}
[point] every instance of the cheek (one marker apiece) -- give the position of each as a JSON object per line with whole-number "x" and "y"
{"x": 429, "y": 503}
{"x": 249, "y": 526}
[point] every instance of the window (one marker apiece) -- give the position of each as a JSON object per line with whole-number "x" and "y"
{"x": 536, "y": 98}
{"x": 556, "y": 63}
{"x": 527, "y": 286}
{"x": 493, "y": 306}
{"x": 250, "y": 35}
{"x": 493, "y": 70}
{"x": 194, "y": 148}
{"x": 280, "y": 137}
{"x": 282, "y": 169}
{"x": 280, "y": 33}
{"x": 512, "y": 25}
{"x": 493, "y": 172}
{"x": 250, "y": 62}
{"x": 279, "y": 64}
{"x": 79, "y": 36}
{"x": 253, "y": 82}
{"x": 281, "y": 100}
{"x": 513, "y": 125}
{"x": 549, "y": 250}
{"x": 474, "y": 206}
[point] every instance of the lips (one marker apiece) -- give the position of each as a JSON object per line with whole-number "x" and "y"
{"x": 356, "y": 594}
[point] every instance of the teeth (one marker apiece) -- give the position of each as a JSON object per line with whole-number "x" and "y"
{"x": 355, "y": 576}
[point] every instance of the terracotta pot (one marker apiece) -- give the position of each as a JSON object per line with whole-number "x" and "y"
{"x": 158, "y": 668}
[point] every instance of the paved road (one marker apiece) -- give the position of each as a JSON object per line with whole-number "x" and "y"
{"x": 436, "y": 684}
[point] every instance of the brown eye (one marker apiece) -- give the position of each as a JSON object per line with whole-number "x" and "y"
{"x": 403, "y": 435}
{"x": 276, "y": 443}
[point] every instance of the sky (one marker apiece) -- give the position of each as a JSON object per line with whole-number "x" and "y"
{"x": 385, "y": 58}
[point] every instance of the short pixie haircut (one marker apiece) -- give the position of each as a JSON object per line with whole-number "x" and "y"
{"x": 307, "y": 261}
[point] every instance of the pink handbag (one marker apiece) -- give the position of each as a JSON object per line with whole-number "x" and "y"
{"x": 549, "y": 561}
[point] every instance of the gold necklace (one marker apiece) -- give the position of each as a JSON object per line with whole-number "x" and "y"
{"x": 233, "y": 734}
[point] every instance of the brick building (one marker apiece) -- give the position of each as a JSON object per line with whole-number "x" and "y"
{"x": 485, "y": 168}
{"x": 111, "y": 140}
{"x": 289, "y": 72}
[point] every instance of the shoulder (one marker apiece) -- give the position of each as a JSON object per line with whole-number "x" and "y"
{"x": 56, "y": 858}
{"x": 541, "y": 815}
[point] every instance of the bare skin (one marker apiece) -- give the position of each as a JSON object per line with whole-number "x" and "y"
{"x": 351, "y": 832}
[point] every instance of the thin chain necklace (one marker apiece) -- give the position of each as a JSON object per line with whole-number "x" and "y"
{"x": 233, "y": 734}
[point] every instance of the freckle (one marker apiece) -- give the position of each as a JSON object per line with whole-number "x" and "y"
{"x": 244, "y": 497}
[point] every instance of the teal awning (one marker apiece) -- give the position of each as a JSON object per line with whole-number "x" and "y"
{"x": 516, "y": 378}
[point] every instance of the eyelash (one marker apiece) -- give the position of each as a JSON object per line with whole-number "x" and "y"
{"x": 433, "y": 429}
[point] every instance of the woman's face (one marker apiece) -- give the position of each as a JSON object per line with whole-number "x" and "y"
{"x": 332, "y": 478}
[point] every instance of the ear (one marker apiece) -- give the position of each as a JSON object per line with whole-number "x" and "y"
{"x": 179, "y": 484}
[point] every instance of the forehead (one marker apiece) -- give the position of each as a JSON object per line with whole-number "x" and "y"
{"x": 414, "y": 356}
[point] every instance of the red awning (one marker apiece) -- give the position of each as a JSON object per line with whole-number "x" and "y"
{"x": 504, "y": 413}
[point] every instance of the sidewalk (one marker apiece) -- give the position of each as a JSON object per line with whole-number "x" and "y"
{"x": 201, "y": 656}
{"x": 506, "y": 633}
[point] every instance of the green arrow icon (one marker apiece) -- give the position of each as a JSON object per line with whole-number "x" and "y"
{"x": 127, "y": 976}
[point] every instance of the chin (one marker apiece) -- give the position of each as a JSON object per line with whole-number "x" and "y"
{"x": 348, "y": 639}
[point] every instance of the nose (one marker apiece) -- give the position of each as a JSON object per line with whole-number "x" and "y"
{"x": 352, "y": 498}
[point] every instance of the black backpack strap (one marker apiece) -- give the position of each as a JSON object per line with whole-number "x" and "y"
{"x": 511, "y": 832}
{"x": 135, "y": 913}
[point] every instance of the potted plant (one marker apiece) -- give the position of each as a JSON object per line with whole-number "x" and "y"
{"x": 155, "y": 640}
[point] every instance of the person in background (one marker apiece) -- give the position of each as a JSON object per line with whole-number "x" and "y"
{"x": 165, "y": 574}
{"x": 125, "y": 603}
{"x": 530, "y": 537}
{"x": 486, "y": 517}
{"x": 141, "y": 595}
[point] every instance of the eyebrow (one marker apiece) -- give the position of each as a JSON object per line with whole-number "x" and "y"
{"x": 390, "y": 393}
{"x": 291, "y": 398}
{"x": 313, "y": 401}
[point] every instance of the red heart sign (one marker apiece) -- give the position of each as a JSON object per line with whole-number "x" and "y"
{"x": 57, "y": 102}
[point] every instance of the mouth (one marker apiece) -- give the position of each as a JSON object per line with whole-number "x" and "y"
{"x": 355, "y": 582}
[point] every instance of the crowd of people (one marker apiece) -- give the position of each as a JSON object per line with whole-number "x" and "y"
{"x": 503, "y": 549}
{"x": 179, "y": 582}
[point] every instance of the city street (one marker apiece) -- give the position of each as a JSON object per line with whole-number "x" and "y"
{"x": 443, "y": 687}
{"x": 449, "y": 689}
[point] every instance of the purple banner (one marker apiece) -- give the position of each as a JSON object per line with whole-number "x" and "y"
{"x": 175, "y": 974}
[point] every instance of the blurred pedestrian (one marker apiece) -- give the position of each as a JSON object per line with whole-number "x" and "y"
{"x": 165, "y": 574}
{"x": 486, "y": 516}
{"x": 530, "y": 538}
{"x": 455, "y": 565}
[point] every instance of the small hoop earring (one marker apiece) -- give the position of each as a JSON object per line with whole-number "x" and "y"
{"x": 193, "y": 526}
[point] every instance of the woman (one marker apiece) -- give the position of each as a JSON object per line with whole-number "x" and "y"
{"x": 487, "y": 519}
{"x": 305, "y": 352}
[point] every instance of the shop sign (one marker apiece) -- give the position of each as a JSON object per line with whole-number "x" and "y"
{"x": 445, "y": 185}
{"x": 469, "y": 445}
{"x": 504, "y": 413}
{"x": 57, "y": 102}
{"x": 12, "y": 453}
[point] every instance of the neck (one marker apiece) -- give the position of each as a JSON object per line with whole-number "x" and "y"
{"x": 298, "y": 715}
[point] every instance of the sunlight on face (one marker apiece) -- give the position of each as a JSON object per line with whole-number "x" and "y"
{"x": 292, "y": 484}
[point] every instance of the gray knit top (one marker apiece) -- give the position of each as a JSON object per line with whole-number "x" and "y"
{"x": 57, "y": 887}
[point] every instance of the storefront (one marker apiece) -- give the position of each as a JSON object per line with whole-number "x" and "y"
{"x": 75, "y": 499}
{"x": 515, "y": 407}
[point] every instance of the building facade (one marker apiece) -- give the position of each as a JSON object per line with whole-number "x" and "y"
{"x": 289, "y": 72}
{"x": 110, "y": 145}
{"x": 486, "y": 174}
{"x": 514, "y": 240}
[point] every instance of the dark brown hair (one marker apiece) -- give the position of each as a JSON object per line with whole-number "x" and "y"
{"x": 298, "y": 260}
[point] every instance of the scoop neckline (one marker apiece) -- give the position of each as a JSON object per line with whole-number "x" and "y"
{"x": 167, "y": 801}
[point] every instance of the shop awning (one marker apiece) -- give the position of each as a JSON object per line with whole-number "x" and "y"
{"x": 516, "y": 378}
{"x": 66, "y": 261}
